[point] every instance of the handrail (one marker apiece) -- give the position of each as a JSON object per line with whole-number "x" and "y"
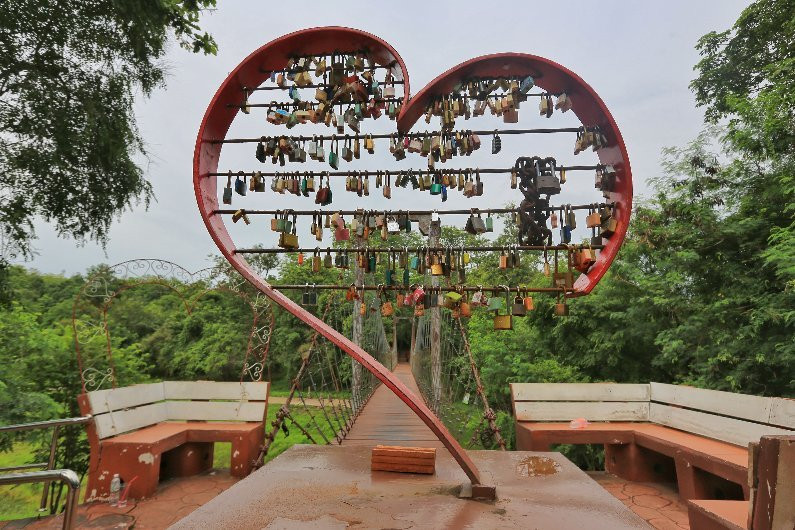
{"x": 67, "y": 476}
{"x": 46, "y": 424}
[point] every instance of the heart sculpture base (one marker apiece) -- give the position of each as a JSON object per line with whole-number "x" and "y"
{"x": 273, "y": 56}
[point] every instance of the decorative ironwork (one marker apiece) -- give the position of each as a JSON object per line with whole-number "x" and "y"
{"x": 90, "y": 376}
{"x": 254, "y": 370}
{"x": 96, "y": 298}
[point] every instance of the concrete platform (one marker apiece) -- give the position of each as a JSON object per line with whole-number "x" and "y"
{"x": 332, "y": 487}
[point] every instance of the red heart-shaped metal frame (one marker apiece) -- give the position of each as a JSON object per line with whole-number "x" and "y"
{"x": 254, "y": 69}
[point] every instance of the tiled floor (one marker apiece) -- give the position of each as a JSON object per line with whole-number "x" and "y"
{"x": 175, "y": 499}
{"x": 659, "y": 504}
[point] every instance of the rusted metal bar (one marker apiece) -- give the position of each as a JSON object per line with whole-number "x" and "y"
{"x": 548, "y": 130}
{"x": 488, "y": 411}
{"x": 397, "y": 250}
{"x": 427, "y": 288}
{"x": 386, "y": 172}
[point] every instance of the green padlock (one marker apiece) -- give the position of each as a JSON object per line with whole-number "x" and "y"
{"x": 371, "y": 263}
{"x": 389, "y": 277}
{"x": 436, "y": 186}
{"x": 496, "y": 303}
{"x": 489, "y": 223}
{"x": 405, "y": 277}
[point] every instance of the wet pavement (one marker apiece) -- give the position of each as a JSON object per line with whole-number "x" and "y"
{"x": 333, "y": 487}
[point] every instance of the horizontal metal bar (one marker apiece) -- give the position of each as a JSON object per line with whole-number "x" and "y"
{"x": 373, "y": 173}
{"x": 314, "y": 85}
{"x": 389, "y": 66}
{"x": 430, "y": 289}
{"x": 300, "y": 103}
{"x": 485, "y": 211}
{"x": 23, "y": 466}
{"x": 410, "y": 135}
{"x": 45, "y": 424}
{"x": 412, "y": 250}
{"x": 67, "y": 476}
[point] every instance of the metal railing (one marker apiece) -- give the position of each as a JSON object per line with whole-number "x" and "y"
{"x": 41, "y": 476}
{"x": 67, "y": 476}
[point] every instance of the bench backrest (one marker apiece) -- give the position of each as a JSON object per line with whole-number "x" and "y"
{"x": 726, "y": 416}
{"x": 124, "y": 409}
{"x": 592, "y": 401}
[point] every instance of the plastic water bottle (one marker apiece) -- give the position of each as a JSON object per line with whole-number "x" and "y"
{"x": 115, "y": 487}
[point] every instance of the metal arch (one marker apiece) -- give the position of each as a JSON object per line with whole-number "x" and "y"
{"x": 586, "y": 105}
{"x": 216, "y": 122}
{"x": 253, "y": 70}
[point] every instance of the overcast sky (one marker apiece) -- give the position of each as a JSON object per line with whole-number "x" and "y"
{"x": 638, "y": 56}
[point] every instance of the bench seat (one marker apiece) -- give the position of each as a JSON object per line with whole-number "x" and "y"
{"x": 656, "y": 432}
{"x": 151, "y": 431}
{"x": 688, "y": 450}
{"x": 176, "y": 432}
{"x": 718, "y": 515}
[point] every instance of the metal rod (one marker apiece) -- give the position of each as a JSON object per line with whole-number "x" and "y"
{"x": 23, "y": 466}
{"x": 403, "y": 212}
{"x": 45, "y": 424}
{"x": 50, "y": 465}
{"x": 470, "y": 289}
{"x": 410, "y": 135}
{"x": 301, "y": 103}
{"x": 389, "y": 66}
{"x": 67, "y": 476}
{"x": 386, "y": 172}
{"x": 414, "y": 249}
{"x": 314, "y": 85}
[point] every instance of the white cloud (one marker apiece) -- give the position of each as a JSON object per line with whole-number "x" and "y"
{"x": 638, "y": 56}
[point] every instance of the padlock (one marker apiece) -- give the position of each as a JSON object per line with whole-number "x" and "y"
{"x": 227, "y": 198}
{"x": 561, "y": 309}
{"x": 503, "y": 322}
{"x": 496, "y": 143}
{"x": 436, "y": 267}
{"x": 240, "y": 185}
{"x": 528, "y": 302}
{"x": 518, "y": 309}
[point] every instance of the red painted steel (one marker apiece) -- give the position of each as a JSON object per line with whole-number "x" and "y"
{"x": 214, "y": 126}
{"x": 586, "y": 105}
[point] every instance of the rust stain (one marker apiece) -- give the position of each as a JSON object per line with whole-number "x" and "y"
{"x": 534, "y": 466}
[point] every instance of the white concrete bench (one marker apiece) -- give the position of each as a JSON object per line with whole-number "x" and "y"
{"x": 139, "y": 429}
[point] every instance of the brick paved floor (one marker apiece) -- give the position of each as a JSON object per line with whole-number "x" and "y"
{"x": 175, "y": 499}
{"x": 659, "y": 504}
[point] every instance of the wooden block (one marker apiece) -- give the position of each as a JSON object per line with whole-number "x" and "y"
{"x": 403, "y": 459}
{"x": 404, "y": 468}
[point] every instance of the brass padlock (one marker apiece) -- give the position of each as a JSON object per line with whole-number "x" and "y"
{"x": 436, "y": 266}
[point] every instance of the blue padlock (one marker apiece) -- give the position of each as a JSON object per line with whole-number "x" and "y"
{"x": 526, "y": 84}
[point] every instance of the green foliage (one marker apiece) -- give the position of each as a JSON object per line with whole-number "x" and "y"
{"x": 69, "y": 73}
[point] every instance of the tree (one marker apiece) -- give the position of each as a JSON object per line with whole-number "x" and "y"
{"x": 69, "y": 72}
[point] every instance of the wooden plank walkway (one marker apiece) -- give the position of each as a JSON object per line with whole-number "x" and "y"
{"x": 386, "y": 420}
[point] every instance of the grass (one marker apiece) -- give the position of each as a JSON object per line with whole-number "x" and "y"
{"x": 282, "y": 441}
{"x": 21, "y": 500}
